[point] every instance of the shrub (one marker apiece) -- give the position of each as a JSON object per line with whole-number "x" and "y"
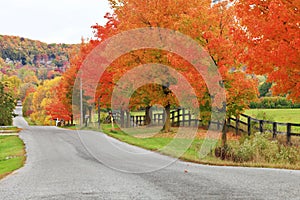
{"x": 245, "y": 152}
{"x": 288, "y": 154}
{"x": 260, "y": 148}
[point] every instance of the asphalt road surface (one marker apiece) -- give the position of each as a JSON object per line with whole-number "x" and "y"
{"x": 64, "y": 164}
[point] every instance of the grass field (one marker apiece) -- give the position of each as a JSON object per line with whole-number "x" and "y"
{"x": 12, "y": 154}
{"x": 278, "y": 115}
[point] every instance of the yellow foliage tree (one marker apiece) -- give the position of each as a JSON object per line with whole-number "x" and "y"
{"x": 43, "y": 97}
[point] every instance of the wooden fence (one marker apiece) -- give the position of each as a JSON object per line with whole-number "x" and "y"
{"x": 178, "y": 117}
{"x": 247, "y": 124}
{"x": 243, "y": 123}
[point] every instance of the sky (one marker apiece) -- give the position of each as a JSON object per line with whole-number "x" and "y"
{"x": 52, "y": 21}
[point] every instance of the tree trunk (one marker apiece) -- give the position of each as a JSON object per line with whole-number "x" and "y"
{"x": 167, "y": 125}
{"x": 128, "y": 119}
{"x": 90, "y": 114}
{"x": 122, "y": 120}
{"x": 72, "y": 119}
{"x": 83, "y": 116}
{"x": 99, "y": 114}
{"x": 224, "y": 134}
{"x": 147, "y": 115}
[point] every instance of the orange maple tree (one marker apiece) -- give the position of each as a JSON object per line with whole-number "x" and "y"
{"x": 210, "y": 26}
{"x": 270, "y": 30}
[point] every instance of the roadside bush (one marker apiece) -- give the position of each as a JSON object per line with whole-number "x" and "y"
{"x": 288, "y": 155}
{"x": 259, "y": 148}
{"x": 245, "y": 152}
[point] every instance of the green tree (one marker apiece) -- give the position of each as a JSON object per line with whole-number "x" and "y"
{"x": 7, "y": 105}
{"x": 264, "y": 89}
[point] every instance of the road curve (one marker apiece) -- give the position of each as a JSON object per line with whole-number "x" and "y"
{"x": 59, "y": 166}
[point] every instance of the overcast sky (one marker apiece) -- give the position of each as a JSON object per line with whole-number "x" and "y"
{"x": 51, "y": 21}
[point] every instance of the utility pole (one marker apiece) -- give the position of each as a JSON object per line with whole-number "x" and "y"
{"x": 99, "y": 113}
{"x": 81, "y": 104}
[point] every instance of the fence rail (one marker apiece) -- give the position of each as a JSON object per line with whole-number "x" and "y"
{"x": 251, "y": 125}
{"x": 183, "y": 117}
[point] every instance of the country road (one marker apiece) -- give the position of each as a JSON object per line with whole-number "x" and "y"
{"x": 59, "y": 166}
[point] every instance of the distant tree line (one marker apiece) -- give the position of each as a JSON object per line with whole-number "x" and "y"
{"x": 274, "y": 102}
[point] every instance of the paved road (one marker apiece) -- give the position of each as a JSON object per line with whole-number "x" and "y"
{"x": 59, "y": 166}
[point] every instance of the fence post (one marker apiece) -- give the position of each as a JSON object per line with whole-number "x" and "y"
{"x": 249, "y": 125}
{"x": 288, "y": 133}
{"x": 190, "y": 118}
{"x": 261, "y": 126}
{"x": 237, "y": 125}
{"x": 178, "y": 117}
{"x": 132, "y": 120}
{"x": 137, "y": 120}
{"x": 183, "y": 117}
{"x": 164, "y": 117}
{"x": 274, "y": 129}
{"x": 172, "y": 117}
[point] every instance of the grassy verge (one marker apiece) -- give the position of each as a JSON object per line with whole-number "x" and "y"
{"x": 157, "y": 142}
{"x": 12, "y": 154}
{"x": 29, "y": 121}
{"x": 9, "y": 129}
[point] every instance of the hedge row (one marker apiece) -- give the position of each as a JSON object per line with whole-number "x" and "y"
{"x": 274, "y": 102}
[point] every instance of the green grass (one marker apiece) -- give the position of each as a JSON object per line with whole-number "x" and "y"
{"x": 149, "y": 143}
{"x": 191, "y": 154}
{"x": 29, "y": 121}
{"x": 12, "y": 154}
{"x": 153, "y": 143}
{"x": 142, "y": 113}
{"x": 278, "y": 115}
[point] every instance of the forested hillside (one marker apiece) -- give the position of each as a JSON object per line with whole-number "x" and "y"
{"x": 26, "y": 65}
{"x": 47, "y": 60}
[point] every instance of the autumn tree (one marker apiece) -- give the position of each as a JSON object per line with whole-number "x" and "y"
{"x": 14, "y": 84}
{"x": 26, "y": 89}
{"x": 123, "y": 19}
{"x": 65, "y": 88}
{"x": 270, "y": 32}
{"x": 42, "y": 98}
{"x": 27, "y": 108}
{"x": 209, "y": 25}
